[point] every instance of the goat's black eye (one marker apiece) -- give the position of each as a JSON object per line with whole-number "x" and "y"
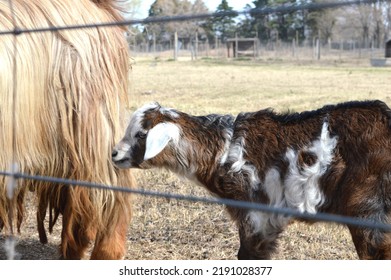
{"x": 141, "y": 135}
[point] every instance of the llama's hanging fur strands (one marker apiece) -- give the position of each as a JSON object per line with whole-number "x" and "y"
{"x": 71, "y": 92}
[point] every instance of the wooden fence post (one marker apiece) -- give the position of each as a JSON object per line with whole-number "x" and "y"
{"x": 176, "y": 45}
{"x": 294, "y": 47}
{"x": 196, "y": 46}
{"x": 318, "y": 49}
{"x": 236, "y": 45}
{"x": 154, "y": 43}
{"x": 207, "y": 47}
{"x": 217, "y": 46}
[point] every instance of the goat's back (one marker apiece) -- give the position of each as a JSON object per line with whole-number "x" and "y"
{"x": 360, "y": 163}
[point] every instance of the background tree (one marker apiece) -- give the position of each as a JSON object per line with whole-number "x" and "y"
{"x": 260, "y": 23}
{"x": 288, "y": 25}
{"x": 198, "y": 7}
{"x": 365, "y": 17}
{"x": 321, "y": 23}
{"x": 160, "y": 8}
{"x": 284, "y": 26}
{"x": 224, "y": 26}
{"x": 368, "y": 24}
{"x": 365, "y": 23}
{"x": 387, "y": 17}
{"x": 185, "y": 29}
{"x": 379, "y": 23}
{"x": 247, "y": 27}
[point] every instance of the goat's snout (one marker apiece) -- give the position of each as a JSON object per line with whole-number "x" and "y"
{"x": 121, "y": 156}
{"x": 116, "y": 154}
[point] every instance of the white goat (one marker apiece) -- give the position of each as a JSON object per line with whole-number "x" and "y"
{"x": 336, "y": 159}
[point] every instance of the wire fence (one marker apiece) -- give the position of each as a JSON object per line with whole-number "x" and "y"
{"x": 267, "y": 49}
{"x": 218, "y": 201}
{"x": 255, "y": 11}
{"x": 14, "y": 175}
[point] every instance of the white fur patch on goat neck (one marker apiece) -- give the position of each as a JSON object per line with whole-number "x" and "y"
{"x": 228, "y": 138}
{"x": 302, "y": 190}
{"x": 240, "y": 165}
{"x": 235, "y": 155}
{"x": 226, "y": 151}
{"x": 185, "y": 153}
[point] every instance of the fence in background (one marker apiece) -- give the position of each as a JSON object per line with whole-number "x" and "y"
{"x": 307, "y": 50}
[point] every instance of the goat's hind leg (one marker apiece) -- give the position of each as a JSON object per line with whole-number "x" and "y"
{"x": 386, "y": 247}
{"x": 371, "y": 243}
{"x": 373, "y": 205}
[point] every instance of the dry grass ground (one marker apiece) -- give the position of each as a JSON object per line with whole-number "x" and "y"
{"x": 169, "y": 229}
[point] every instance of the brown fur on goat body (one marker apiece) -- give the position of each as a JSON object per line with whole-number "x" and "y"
{"x": 336, "y": 159}
{"x": 354, "y": 183}
{"x": 71, "y": 92}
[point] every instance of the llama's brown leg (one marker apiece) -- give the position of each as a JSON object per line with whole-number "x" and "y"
{"x": 111, "y": 246}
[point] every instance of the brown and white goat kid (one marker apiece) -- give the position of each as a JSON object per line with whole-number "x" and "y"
{"x": 336, "y": 159}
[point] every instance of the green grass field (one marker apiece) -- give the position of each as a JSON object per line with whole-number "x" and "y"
{"x": 169, "y": 229}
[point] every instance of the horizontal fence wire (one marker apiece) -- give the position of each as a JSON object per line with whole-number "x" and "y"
{"x": 284, "y": 9}
{"x": 218, "y": 201}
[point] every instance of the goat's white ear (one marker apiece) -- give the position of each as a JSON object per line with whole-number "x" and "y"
{"x": 158, "y": 138}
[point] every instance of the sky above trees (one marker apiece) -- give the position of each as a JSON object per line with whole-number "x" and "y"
{"x": 211, "y": 4}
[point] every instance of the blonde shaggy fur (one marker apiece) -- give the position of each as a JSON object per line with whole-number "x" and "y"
{"x": 71, "y": 93}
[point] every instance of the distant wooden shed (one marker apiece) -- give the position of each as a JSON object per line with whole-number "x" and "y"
{"x": 243, "y": 47}
{"x": 383, "y": 61}
{"x": 388, "y": 48}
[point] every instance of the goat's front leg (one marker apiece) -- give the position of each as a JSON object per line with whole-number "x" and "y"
{"x": 257, "y": 243}
{"x": 256, "y": 247}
